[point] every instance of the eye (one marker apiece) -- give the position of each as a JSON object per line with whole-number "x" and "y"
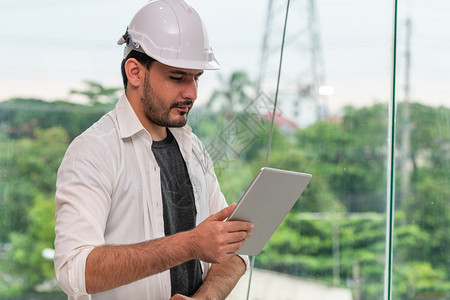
{"x": 176, "y": 78}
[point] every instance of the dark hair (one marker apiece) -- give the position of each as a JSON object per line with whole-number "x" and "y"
{"x": 143, "y": 58}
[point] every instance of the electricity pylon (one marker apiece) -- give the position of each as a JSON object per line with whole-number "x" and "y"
{"x": 302, "y": 69}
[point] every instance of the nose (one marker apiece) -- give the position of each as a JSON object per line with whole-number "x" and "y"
{"x": 190, "y": 90}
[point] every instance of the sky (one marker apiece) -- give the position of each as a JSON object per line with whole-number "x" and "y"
{"x": 49, "y": 47}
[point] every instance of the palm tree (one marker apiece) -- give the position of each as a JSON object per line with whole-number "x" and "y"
{"x": 95, "y": 92}
{"x": 236, "y": 93}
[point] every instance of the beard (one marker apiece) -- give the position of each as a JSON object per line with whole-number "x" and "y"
{"x": 157, "y": 111}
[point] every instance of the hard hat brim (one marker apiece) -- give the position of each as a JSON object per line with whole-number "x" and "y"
{"x": 194, "y": 65}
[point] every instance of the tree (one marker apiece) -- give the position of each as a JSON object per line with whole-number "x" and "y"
{"x": 429, "y": 208}
{"x": 97, "y": 93}
{"x": 26, "y": 260}
{"x": 347, "y": 160}
{"x": 19, "y": 117}
{"x": 28, "y": 168}
{"x": 235, "y": 94}
{"x": 351, "y": 157}
{"x": 27, "y": 214}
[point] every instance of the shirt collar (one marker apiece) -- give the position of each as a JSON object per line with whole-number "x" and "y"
{"x": 129, "y": 123}
{"x": 183, "y": 137}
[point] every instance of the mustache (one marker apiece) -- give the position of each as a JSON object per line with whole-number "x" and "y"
{"x": 182, "y": 104}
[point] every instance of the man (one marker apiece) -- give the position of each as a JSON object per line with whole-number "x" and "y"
{"x": 139, "y": 212}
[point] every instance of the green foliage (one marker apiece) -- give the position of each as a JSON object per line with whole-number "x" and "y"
{"x": 419, "y": 280}
{"x": 26, "y": 262}
{"x": 234, "y": 96}
{"x": 430, "y": 131}
{"x": 318, "y": 196}
{"x": 348, "y": 160}
{"x": 27, "y": 214}
{"x": 19, "y": 117}
{"x": 97, "y": 93}
{"x": 429, "y": 208}
{"x": 28, "y": 168}
{"x": 353, "y": 164}
{"x": 303, "y": 245}
{"x": 337, "y": 226}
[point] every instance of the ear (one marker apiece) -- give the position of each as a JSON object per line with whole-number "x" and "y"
{"x": 133, "y": 70}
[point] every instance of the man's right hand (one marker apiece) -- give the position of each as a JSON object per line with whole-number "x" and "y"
{"x": 216, "y": 241}
{"x": 213, "y": 241}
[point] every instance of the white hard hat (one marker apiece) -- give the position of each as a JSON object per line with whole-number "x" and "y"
{"x": 171, "y": 32}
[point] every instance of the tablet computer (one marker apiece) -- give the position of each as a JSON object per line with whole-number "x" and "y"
{"x": 266, "y": 202}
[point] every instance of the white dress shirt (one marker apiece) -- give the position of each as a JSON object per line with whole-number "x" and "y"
{"x": 108, "y": 192}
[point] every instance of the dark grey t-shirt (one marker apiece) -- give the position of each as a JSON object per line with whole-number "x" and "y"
{"x": 178, "y": 210}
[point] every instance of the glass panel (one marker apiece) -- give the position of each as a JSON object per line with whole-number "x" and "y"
{"x": 333, "y": 123}
{"x": 422, "y": 219}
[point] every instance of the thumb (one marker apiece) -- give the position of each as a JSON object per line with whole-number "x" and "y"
{"x": 223, "y": 214}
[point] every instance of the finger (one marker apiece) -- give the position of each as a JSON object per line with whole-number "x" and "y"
{"x": 232, "y": 248}
{"x": 236, "y": 237}
{"x": 233, "y": 226}
{"x": 232, "y": 207}
{"x": 223, "y": 214}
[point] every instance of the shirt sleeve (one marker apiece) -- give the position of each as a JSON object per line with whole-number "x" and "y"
{"x": 82, "y": 203}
